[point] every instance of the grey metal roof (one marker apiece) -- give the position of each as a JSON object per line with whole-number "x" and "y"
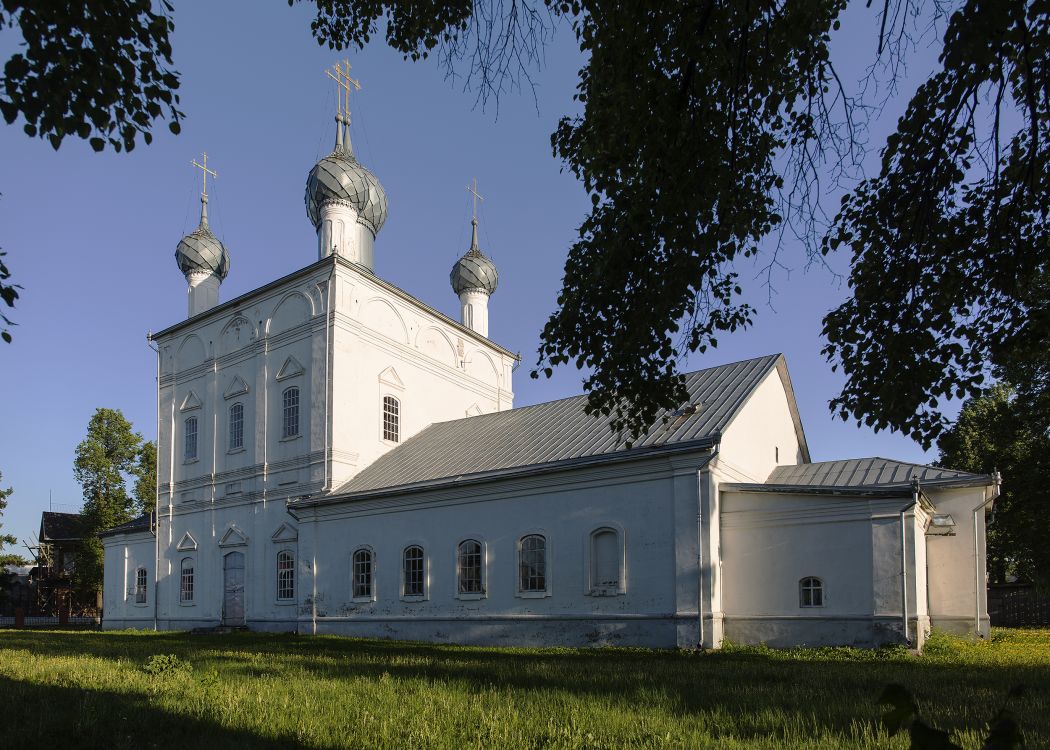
{"x": 866, "y": 473}
{"x": 142, "y": 523}
{"x": 556, "y": 432}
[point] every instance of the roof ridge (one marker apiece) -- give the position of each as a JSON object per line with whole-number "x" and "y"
{"x": 691, "y": 373}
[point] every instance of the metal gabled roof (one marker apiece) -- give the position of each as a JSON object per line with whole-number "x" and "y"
{"x": 557, "y": 432}
{"x": 861, "y": 475}
{"x": 142, "y": 523}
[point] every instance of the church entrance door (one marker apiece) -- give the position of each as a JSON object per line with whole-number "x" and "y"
{"x": 233, "y": 589}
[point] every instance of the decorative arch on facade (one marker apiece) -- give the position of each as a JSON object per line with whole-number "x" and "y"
{"x": 295, "y": 309}
{"x": 436, "y": 344}
{"x": 191, "y": 353}
{"x": 236, "y": 334}
{"x": 382, "y": 317}
{"x": 480, "y": 365}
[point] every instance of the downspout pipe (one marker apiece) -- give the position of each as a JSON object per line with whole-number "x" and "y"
{"x": 915, "y": 490}
{"x": 700, "y": 543}
{"x": 976, "y": 554}
{"x": 155, "y": 515}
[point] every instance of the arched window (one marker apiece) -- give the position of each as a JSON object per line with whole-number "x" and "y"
{"x": 811, "y": 592}
{"x": 190, "y": 444}
{"x": 140, "y": 586}
{"x": 236, "y": 427}
{"x": 606, "y": 562}
{"x": 290, "y": 424}
{"x": 413, "y": 576}
{"x": 532, "y": 564}
{"x": 391, "y": 419}
{"x": 363, "y": 564}
{"x": 186, "y": 581}
{"x": 285, "y": 575}
{"x": 469, "y": 567}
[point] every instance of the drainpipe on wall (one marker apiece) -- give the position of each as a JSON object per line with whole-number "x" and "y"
{"x": 155, "y": 516}
{"x": 904, "y": 559}
{"x": 976, "y": 556}
{"x": 700, "y": 544}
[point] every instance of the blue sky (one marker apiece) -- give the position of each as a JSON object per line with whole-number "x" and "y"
{"x": 91, "y": 237}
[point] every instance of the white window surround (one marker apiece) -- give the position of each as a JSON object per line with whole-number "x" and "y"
{"x": 189, "y": 563}
{"x": 518, "y": 592}
{"x": 426, "y": 572}
{"x": 291, "y": 413}
{"x": 484, "y": 578}
{"x": 235, "y": 428}
{"x": 353, "y": 574}
{"x": 811, "y": 589}
{"x": 280, "y": 571}
{"x": 190, "y": 440}
{"x": 141, "y": 588}
{"x": 590, "y": 585}
{"x": 397, "y": 418}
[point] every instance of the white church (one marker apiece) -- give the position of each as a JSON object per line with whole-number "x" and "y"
{"x": 336, "y": 456}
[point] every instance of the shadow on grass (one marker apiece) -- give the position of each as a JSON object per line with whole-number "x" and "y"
{"x": 34, "y": 715}
{"x": 827, "y": 693}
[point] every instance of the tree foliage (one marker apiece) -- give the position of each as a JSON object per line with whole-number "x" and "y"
{"x": 711, "y": 131}
{"x": 110, "y": 456}
{"x": 7, "y": 558}
{"x": 996, "y": 431}
{"x": 93, "y": 69}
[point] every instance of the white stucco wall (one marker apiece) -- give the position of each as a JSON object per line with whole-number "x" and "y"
{"x": 957, "y": 578}
{"x": 762, "y": 436}
{"x": 124, "y": 555}
{"x": 770, "y": 541}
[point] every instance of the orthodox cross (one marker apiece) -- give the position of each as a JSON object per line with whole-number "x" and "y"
{"x": 343, "y": 82}
{"x": 204, "y": 168}
{"x": 477, "y": 196}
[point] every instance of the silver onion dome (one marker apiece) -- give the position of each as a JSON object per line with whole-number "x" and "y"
{"x": 474, "y": 270}
{"x": 200, "y": 251}
{"x": 341, "y": 177}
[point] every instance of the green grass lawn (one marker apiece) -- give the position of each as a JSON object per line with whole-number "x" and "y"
{"x": 268, "y": 691}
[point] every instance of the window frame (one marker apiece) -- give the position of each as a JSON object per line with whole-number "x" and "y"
{"x": 519, "y": 548}
{"x": 187, "y": 458}
{"x": 278, "y": 570}
{"x": 285, "y": 407}
{"x": 354, "y": 596}
{"x": 806, "y": 586}
{"x": 591, "y": 588}
{"x": 396, "y": 419}
{"x": 482, "y": 552}
{"x": 405, "y": 597}
{"x": 183, "y": 600}
{"x": 230, "y": 447}
{"x": 141, "y": 596}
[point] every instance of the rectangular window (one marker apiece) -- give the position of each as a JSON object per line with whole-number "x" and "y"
{"x": 190, "y": 453}
{"x": 236, "y": 427}
{"x": 532, "y": 565}
{"x": 291, "y": 413}
{"x": 391, "y": 419}
{"x": 468, "y": 567}
{"x": 140, "y": 586}
{"x": 186, "y": 585}
{"x": 362, "y": 574}
{"x": 285, "y": 575}
{"x": 414, "y": 576}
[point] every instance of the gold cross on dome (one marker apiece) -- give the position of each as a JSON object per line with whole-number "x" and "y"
{"x": 477, "y": 196}
{"x": 204, "y": 168}
{"x": 344, "y": 82}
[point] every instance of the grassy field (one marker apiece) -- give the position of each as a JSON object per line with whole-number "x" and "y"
{"x": 269, "y": 691}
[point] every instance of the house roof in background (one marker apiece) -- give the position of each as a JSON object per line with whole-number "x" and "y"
{"x": 61, "y": 527}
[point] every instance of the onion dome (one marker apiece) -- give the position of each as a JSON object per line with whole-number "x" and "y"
{"x": 200, "y": 251}
{"x": 474, "y": 270}
{"x": 341, "y": 177}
